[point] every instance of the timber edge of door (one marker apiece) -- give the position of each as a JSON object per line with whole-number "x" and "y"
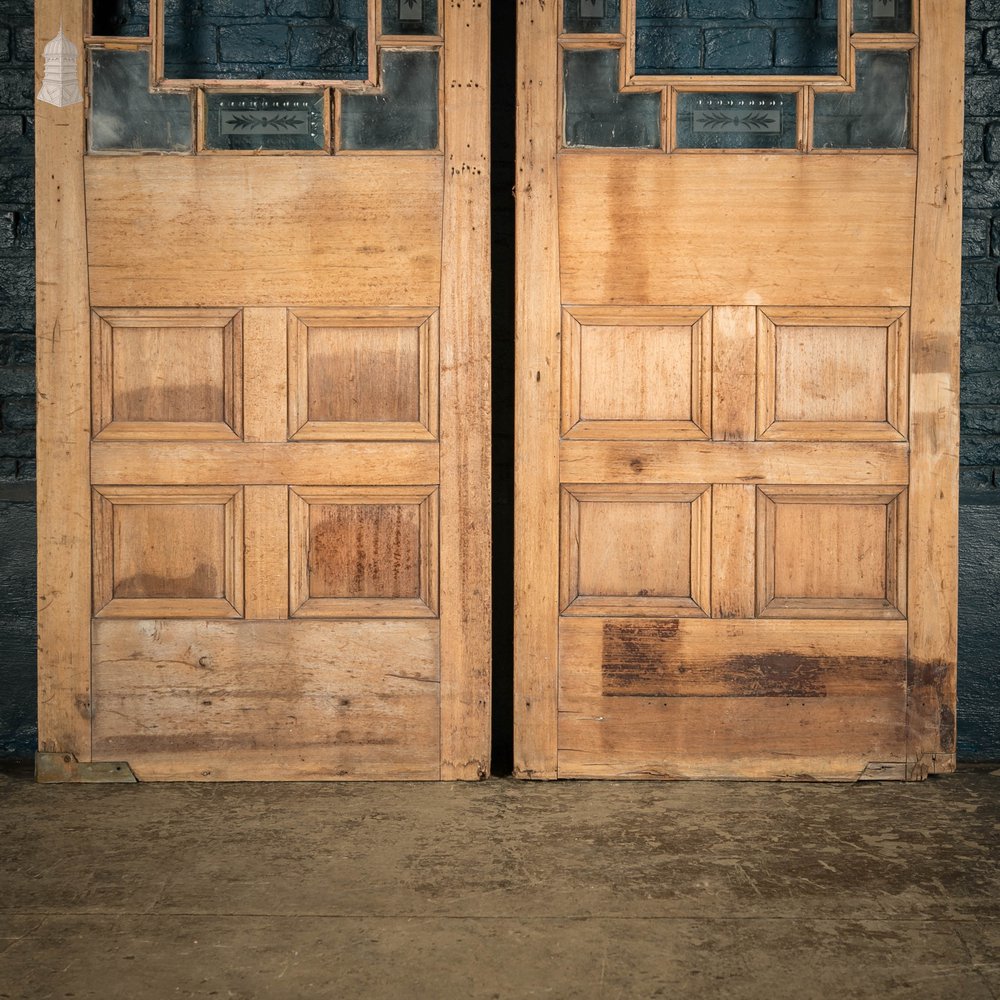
{"x": 111, "y": 468}
{"x": 702, "y": 673}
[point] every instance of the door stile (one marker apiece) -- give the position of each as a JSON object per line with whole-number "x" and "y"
{"x": 465, "y": 396}
{"x": 63, "y": 426}
{"x": 537, "y": 395}
{"x": 934, "y": 394}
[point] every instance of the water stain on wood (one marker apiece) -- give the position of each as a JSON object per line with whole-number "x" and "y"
{"x": 646, "y": 659}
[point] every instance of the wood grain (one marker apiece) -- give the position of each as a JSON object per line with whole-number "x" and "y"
{"x": 756, "y": 699}
{"x": 731, "y": 462}
{"x": 309, "y": 463}
{"x": 305, "y": 230}
{"x": 537, "y": 393}
{"x": 934, "y": 321}
{"x": 265, "y": 515}
{"x": 63, "y": 421}
{"x": 194, "y": 701}
{"x": 756, "y": 229}
{"x": 466, "y": 651}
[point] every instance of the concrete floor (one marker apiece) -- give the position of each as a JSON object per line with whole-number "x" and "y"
{"x": 501, "y": 890}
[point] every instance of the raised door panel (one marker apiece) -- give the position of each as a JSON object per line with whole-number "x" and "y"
{"x": 167, "y": 375}
{"x": 168, "y": 552}
{"x": 693, "y": 184}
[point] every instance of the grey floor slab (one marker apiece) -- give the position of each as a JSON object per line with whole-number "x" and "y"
{"x": 501, "y": 890}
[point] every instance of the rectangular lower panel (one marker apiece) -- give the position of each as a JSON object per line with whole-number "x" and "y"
{"x": 673, "y": 698}
{"x": 267, "y": 701}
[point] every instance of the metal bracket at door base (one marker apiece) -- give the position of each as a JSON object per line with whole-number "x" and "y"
{"x": 54, "y": 768}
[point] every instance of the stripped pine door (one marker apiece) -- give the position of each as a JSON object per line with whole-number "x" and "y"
{"x": 738, "y": 253}
{"x": 263, "y": 390}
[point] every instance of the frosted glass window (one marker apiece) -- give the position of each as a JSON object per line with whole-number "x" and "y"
{"x": 404, "y": 115}
{"x": 409, "y": 17}
{"x": 876, "y": 115}
{"x": 587, "y": 16}
{"x": 597, "y": 113}
{"x": 736, "y": 121}
{"x": 264, "y": 121}
{"x": 883, "y": 15}
{"x": 124, "y": 115}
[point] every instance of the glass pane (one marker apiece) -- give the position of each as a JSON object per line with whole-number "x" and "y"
{"x": 409, "y": 17}
{"x": 404, "y": 116}
{"x": 121, "y": 18}
{"x": 264, "y": 121}
{"x": 736, "y": 121}
{"x": 882, "y": 15}
{"x": 582, "y": 16}
{"x": 597, "y": 113}
{"x": 280, "y": 40}
{"x": 876, "y": 115}
{"x": 767, "y": 37}
{"x": 124, "y": 115}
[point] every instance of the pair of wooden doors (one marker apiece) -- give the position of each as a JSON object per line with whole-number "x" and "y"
{"x": 264, "y": 399}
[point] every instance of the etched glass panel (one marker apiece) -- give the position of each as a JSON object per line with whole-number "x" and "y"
{"x": 587, "y": 16}
{"x": 597, "y": 113}
{"x": 736, "y": 121}
{"x": 409, "y": 17}
{"x": 876, "y": 115}
{"x": 766, "y": 37}
{"x": 404, "y": 115}
{"x": 883, "y": 15}
{"x": 124, "y": 115}
{"x": 264, "y": 121}
{"x": 121, "y": 18}
{"x": 282, "y": 40}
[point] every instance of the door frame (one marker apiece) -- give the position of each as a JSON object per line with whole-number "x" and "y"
{"x": 64, "y": 432}
{"x": 934, "y": 373}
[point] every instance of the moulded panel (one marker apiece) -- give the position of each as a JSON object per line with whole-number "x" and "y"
{"x": 640, "y": 550}
{"x": 168, "y": 552}
{"x": 833, "y": 375}
{"x": 363, "y": 553}
{"x": 171, "y": 375}
{"x": 831, "y": 552}
{"x": 362, "y": 375}
{"x": 637, "y": 373}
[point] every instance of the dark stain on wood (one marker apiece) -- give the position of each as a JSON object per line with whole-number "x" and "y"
{"x": 926, "y": 682}
{"x": 203, "y": 582}
{"x": 642, "y": 659}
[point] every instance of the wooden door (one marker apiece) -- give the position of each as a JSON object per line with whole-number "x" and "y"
{"x": 738, "y": 252}
{"x": 263, "y": 390}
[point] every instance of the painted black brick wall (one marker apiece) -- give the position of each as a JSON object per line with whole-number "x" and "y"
{"x": 979, "y": 632}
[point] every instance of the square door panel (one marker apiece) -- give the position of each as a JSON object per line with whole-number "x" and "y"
{"x": 167, "y": 374}
{"x": 168, "y": 552}
{"x": 362, "y": 375}
{"x": 636, "y": 550}
{"x": 636, "y": 372}
{"x": 831, "y": 552}
{"x": 832, "y": 375}
{"x": 363, "y": 552}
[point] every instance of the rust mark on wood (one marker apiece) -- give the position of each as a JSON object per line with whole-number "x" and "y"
{"x": 646, "y": 659}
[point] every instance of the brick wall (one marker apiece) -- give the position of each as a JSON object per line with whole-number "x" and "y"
{"x": 704, "y": 36}
{"x": 981, "y": 251}
{"x": 17, "y": 357}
